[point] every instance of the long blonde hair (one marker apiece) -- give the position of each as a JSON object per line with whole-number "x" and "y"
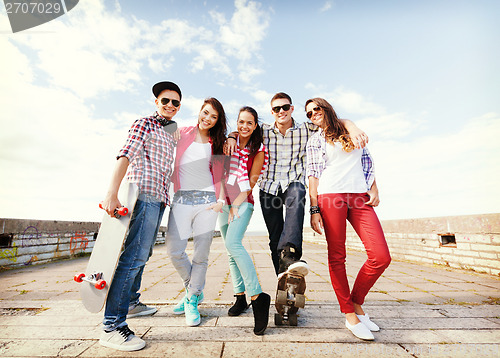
{"x": 333, "y": 128}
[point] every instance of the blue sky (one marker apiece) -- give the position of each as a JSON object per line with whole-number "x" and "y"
{"x": 420, "y": 77}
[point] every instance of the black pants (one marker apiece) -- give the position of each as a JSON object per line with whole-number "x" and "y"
{"x": 287, "y": 229}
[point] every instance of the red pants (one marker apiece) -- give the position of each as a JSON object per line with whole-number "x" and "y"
{"x": 335, "y": 209}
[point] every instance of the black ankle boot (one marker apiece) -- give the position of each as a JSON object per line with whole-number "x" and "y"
{"x": 260, "y": 308}
{"x": 239, "y": 306}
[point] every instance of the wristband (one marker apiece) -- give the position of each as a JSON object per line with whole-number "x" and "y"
{"x": 314, "y": 210}
{"x": 232, "y": 137}
{"x": 221, "y": 201}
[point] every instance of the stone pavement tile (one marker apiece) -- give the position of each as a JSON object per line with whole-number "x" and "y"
{"x": 469, "y": 311}
{"x": 35, "y": 295}
{"x": 43, "y": 348}
{"x": 472, "y": 286}
{"x": 408, "y": 336}
{"x": 323, "y": 296}
{"x": 192, "y": 334}
{"x": 406, "y": 279}
{"x": 470, "y": 336}
{"x": 391, "y": 286}
{"x": 161, "y": 349}
{"x": 48, "y": 321}
{"x": 458, "y": 297}
{"x": 161, "y": 320}
{"x": 452, "y": 350}
{"x": 435, "y": 323}
{"x": 293, "y": 349}
{"x": 77, "y": 332}
{"x": 432, "y": 287}
{"x": 420, "y": 297}
{"x": 301, "y": 334}
{"x": 379, "y": 296}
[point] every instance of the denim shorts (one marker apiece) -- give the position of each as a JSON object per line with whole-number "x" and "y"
{"x": 194, "y": 197}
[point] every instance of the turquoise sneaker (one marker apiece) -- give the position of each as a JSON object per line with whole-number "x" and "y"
{"x": 191, "y": 310}
{"x": 179, "y": 307}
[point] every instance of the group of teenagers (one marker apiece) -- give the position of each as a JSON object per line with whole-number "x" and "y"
{"x": 213, "y": 174}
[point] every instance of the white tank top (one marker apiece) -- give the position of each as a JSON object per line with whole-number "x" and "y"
{"x": 343, "y": 172}
{"x": 194, "y": 169}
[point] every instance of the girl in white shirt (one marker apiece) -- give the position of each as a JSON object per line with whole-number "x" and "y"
{"x": 342, "y": 187}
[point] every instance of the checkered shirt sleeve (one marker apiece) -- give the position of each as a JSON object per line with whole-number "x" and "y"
{"x": 316, "y": 156}
{"x": 368, "y": 167}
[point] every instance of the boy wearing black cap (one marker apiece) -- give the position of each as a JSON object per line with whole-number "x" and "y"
{"x": 145, "y": 159}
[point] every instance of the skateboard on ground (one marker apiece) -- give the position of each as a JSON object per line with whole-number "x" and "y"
{"x": 289, "y": 298}
{"x": 96, "y": 280}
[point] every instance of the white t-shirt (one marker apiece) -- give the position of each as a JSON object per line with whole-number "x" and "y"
{"x": 343, "y": 171}
{"x": 194, "y": 169}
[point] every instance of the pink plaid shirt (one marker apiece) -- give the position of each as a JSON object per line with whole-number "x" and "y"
{"x": 150, "y": 151}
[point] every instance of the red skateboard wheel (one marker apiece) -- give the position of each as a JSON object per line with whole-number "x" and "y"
{"x": 122, "y": 211}
{"x": 100, "y": 284}
{"x": 79, "y": 277}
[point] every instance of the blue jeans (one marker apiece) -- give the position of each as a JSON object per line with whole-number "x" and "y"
{"x": 288, "y": 230}
{"x": 138, "y": 247}
{"x": 241, "y": 266}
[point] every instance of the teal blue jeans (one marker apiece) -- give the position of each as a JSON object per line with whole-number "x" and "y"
{"x": 243, "y": 274}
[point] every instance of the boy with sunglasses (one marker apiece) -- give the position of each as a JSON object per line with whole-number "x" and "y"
{"x": 145, "y": 159}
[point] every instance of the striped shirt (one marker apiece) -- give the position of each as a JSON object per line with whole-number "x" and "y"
{"x": 287, "y": 156}
{"x": 317, "y": 159}
{"x": 150, "y": 151}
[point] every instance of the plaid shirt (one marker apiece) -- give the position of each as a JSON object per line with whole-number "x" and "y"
{"x": 150, "y": 151}
{"x": 287, "y": 156}
{"x": 316, "y": 159}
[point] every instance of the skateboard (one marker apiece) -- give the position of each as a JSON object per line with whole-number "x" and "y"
{"x": 96, "y": 280}
{"x": 289, "y": 298}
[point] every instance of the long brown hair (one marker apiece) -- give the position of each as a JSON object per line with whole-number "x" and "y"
{"x": 333, "y": 128}
{"x": 218, "y": 132}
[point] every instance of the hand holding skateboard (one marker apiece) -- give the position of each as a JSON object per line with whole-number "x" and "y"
{"x": 118, "y": 212}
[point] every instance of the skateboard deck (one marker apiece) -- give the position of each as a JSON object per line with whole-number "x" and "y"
{"x": 96, "y": 280}
{"x": 289, "y": 298}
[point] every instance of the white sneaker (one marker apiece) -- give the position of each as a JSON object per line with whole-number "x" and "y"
{"x": 360, "y": 331}
{"x": 122, "y": 339}
{"x": 299, "y": 268}
{"x": 365, "y": 319}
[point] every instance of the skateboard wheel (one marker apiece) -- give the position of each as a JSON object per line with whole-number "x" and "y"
{"x": 79, "y": 277}
{"x": 281, "y": 297}
{"x": 278, "y": 320}
{"x": 100, "y": 284}
{"x": 292, "y": 319}
{"x": 122, "y": 211}
{"x": 300, "y": 300}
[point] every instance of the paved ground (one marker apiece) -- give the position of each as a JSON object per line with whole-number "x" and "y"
{"x": 424, "y": 311}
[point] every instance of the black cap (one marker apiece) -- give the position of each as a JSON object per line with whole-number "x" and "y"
{"x": 162, "y": 86}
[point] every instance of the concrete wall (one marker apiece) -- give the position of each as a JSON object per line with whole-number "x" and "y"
{"x": 476, "y": 247}
{"x": 28, "y": 242}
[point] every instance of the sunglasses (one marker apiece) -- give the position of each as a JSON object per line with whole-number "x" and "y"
{"x": 285, "y": 107}
{"x": 164, "y": 101}
{"x": 310, "y": 113}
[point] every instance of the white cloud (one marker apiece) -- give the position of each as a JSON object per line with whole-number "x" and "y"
{"x": 326, "y": 6}
{"x": 373, "y": 118}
